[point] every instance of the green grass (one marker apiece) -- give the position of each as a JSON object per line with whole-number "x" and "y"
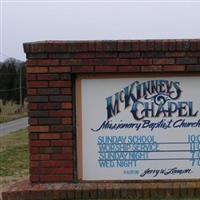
{"x": 11, "y": 111}
{"x": 13, "y": 157}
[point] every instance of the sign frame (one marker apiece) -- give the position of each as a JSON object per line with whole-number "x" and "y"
{"x": 79, "y": 137}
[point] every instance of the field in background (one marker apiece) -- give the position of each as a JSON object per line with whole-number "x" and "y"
{"x": 11, "y": 111}
{"x": 13, "y": 157}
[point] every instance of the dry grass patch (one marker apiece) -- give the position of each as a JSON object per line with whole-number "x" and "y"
{"x": 13, "y": 157}
{"x": 11, "y": 111}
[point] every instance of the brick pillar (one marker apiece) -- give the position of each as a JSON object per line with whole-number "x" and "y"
{"x": 50, "y": 118}
{"x": 51, "y": 70}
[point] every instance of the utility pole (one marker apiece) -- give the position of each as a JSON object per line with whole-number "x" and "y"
{"x": 20, "y": 87}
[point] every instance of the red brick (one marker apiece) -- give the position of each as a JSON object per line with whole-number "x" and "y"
{"x": 172, "y": 46}
{"x": 193, "y": 54}
{"x": 128, "y": 68}
{"x": 79, "y": 46}
{"x": 61, "y": 128}
{"x": 70, "y": 62}
{"x": 60, "y": 98}
{"x": 44, "y": 62}
{"x": 165, "y": 45}
{"x": 151, "y": 68}
{"x": 106, "y": 46}
{"x": 91, "y": 46}
{"x": 67, "y": 150}
{"x": 48, "y": 91}
{"x": 50, "y": 150}
{"x": 141, "y": 61}
{"x": 135, "y": 45}
{"x": 146, "y": 190}
{"x": 106, "y": 69}
{"x": 49, "y": 136}
{"x": 185, "y": 45}
{"x": 179, "y": 45}
{"x": 31, "y": 92}
{"x": 49, "y": 121}
{"x": 37, "y": 70}
{"x": 109, "y": 61}
{"x": 146, "y": 45}
{"x": 62, "y": 170}
{"x": 173, "y": 68}
{"x": 66, "y": 91}
{"x": 38, "y": 98}
{"x": 67, "y": 136}
{"x": 56, "y": 178}
{"x": 56, "y": 47}
{"x": 60, "y": 84}
{"x": 121, "y": 61}
{"x": 150, "y": 45}
{"x": 56, "y": 163}
{"x": 49, "y": 106}
{"x": 37, "y": 84}
{"x": 82, "y": 69}
{"x": 33, "y": 121}
{"x": 32, "y": 106}
{"x": 143, "y": 45}
{"x": 61, "y": 143}
{"x": 124, "y": 46}
{"x": 33, "y": 136}
{"x": 39, "y": 143}
{"x": 60, "y": 69}
{"x": 158, "y": 45}
{"x": 61, "y": 156}
{"x": 129, "y": 55}
{"x": 163, "y": 61}
{"x": 193, "y": 68}
{"x": 31, "y": 77}
{"x": 34, "y": 163}
{"x": 67, "y": 105}
{"x": 106, "y": 54}
{"x": 39, "y": 156}
{"x": 175, "y": 54}
{"x": 67, "y": 120}
{"x": 34, "y": 178}
{"x": 34, "y": 150}
{"x": 186, "y": 60}
{"x": 38, "y": 129}
{"x": 48, "y": 77}
{"x": 38, "y": 113}
{"x": 194, "y": 45}
{"x": 51, "y": 171}
{"x": 84, "y": 55}
{"x": 60, "y": 113}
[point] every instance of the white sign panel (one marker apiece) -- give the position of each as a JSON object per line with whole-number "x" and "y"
{"x": 141, "y": 128}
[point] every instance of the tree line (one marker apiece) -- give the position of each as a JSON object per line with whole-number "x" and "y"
{"x": 12, "y": 72}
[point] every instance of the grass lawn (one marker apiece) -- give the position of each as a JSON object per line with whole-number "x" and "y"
{"x": 11, "y": 111}
{"x": 13, "y": 157}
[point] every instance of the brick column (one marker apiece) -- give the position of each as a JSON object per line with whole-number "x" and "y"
{"x": 51, "y": 69}
{"x": 50, "y": 118}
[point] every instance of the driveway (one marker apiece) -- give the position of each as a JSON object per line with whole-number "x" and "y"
{"x": 12, "y": 126}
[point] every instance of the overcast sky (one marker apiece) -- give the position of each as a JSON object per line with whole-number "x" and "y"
{"x": 28, "y": 21}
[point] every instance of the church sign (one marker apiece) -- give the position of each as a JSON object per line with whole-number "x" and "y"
{"x": 139, "y": 128}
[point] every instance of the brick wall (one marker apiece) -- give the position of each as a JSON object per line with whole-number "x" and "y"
{"x": 51, "y": 72}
